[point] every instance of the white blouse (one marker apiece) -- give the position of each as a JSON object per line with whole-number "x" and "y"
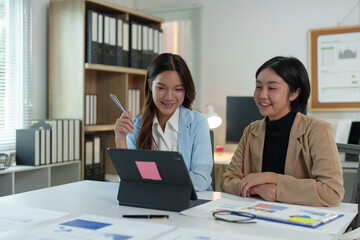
{"x": 167, "y": 140}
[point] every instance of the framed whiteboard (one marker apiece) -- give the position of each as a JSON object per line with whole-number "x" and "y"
{"x": 335, "y": 69}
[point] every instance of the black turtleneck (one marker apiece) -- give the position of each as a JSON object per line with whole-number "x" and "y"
{"x": 276, "y": 143}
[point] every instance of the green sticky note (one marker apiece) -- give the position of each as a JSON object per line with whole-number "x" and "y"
{"x": 303, "y": 220}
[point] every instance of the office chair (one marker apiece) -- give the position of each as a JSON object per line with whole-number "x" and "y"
{"x": 355, "y": 198}
{"x": 213, "y": 169}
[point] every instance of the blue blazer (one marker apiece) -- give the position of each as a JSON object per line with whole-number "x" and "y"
{"x": 193, "y": 143}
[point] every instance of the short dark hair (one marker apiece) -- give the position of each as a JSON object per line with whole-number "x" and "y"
{"x": 294, "y": 74}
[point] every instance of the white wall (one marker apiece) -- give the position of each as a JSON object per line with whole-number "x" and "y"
{"x": 39, "y": 57}
{"x": 239, "y": 35}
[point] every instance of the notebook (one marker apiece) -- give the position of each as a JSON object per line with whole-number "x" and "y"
{"x": 153, "y": 179}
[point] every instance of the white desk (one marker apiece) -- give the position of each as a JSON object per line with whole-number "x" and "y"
{"x": 221, "y": 161}
{"x": 99, "y": 198}
{"x": 223, "y": 158}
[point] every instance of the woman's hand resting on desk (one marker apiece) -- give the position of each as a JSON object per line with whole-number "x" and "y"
{"x": 266, "y": 191}
{"x": 123, "y": 126}
{"x": 262, "y": 184}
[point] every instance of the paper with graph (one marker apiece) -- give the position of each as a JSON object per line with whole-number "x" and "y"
{"x": 339, "y": 67}
{"x": 279, "y": 212}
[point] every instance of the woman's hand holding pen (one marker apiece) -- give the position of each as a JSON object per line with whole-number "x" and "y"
{"x": 123, "y": 127}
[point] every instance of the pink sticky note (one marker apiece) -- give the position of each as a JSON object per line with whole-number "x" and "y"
{"x": 148, "y": 170}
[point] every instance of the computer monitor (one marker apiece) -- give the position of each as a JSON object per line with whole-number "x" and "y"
{"x": 354, "y": 138}
{"x": 240, "y": 112}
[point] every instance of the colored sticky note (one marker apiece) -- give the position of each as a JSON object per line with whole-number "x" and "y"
{"x": 148, "y": 170}
{"x": 304, "y": 220}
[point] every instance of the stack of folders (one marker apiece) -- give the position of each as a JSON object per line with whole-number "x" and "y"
{"x": 134, "y": 101}
{"x": 145, "y": 44}
{"x": 111, "y": 40}
{"x": 48, "y": 141}
{"x": 94, "y": 157}
{"x": 90, "y": 109}
{"x": 107, "y": 39}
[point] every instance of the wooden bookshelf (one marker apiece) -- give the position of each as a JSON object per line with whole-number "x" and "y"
{"x": 70, "y": 77}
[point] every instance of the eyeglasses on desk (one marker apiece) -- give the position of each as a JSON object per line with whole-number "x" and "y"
{"x": 235, "y": 217}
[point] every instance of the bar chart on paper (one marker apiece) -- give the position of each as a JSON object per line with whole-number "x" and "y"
{"x": 339, "y": 68}
{"x": 298, "y": 215}
{"x": 89, "y": 226}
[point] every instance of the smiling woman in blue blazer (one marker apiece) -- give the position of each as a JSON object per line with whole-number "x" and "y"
{"x": 168, "y": 121}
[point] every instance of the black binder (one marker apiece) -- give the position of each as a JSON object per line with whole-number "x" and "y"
{"x": 151, "y": 45}
{"x": 133, "y": 51}
{"x": 161, "y": 41}
{"x": 119, "y": 42}
{"x": 126, "y": 45}
{"x": 98, "y": 173}
{"x": 112, "y": 37}
{"x": 139, "y": 46}
{"x": 100, "y": 49}
{"x": 28, "y": 146}
{"x": 109, "y": 40}
{"x": 172, "y": 190}
{"x": 145, "y": 48}
{"x": 89, "y": 157}
{"x": 91, "y": 36}
{"x": 156, "y": 43}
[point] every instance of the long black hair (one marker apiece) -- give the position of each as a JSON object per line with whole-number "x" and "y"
{"x": 163, "y": 62}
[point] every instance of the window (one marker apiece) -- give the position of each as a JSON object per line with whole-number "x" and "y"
{"x": 15, "y": 69}
{"x": 182, "y": 36}
{"x": 176, "y": 35}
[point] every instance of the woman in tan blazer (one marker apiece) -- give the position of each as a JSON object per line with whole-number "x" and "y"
{"x": 287, "y": 156}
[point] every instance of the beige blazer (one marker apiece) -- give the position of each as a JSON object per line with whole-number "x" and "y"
{"x": 313, "y": 173}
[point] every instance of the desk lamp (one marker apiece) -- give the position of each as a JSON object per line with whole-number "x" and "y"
{"x": 213, "y": 118}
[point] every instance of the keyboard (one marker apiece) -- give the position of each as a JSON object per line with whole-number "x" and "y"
{"x": 194, "y": 203}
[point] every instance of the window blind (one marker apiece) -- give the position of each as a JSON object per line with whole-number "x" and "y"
{"x": 15, "y": 69}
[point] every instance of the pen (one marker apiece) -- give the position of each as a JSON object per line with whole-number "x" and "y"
{"x": 117, "y": 102}
{"x": 328, "y": 217}
{"x": 149, "y": 216}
